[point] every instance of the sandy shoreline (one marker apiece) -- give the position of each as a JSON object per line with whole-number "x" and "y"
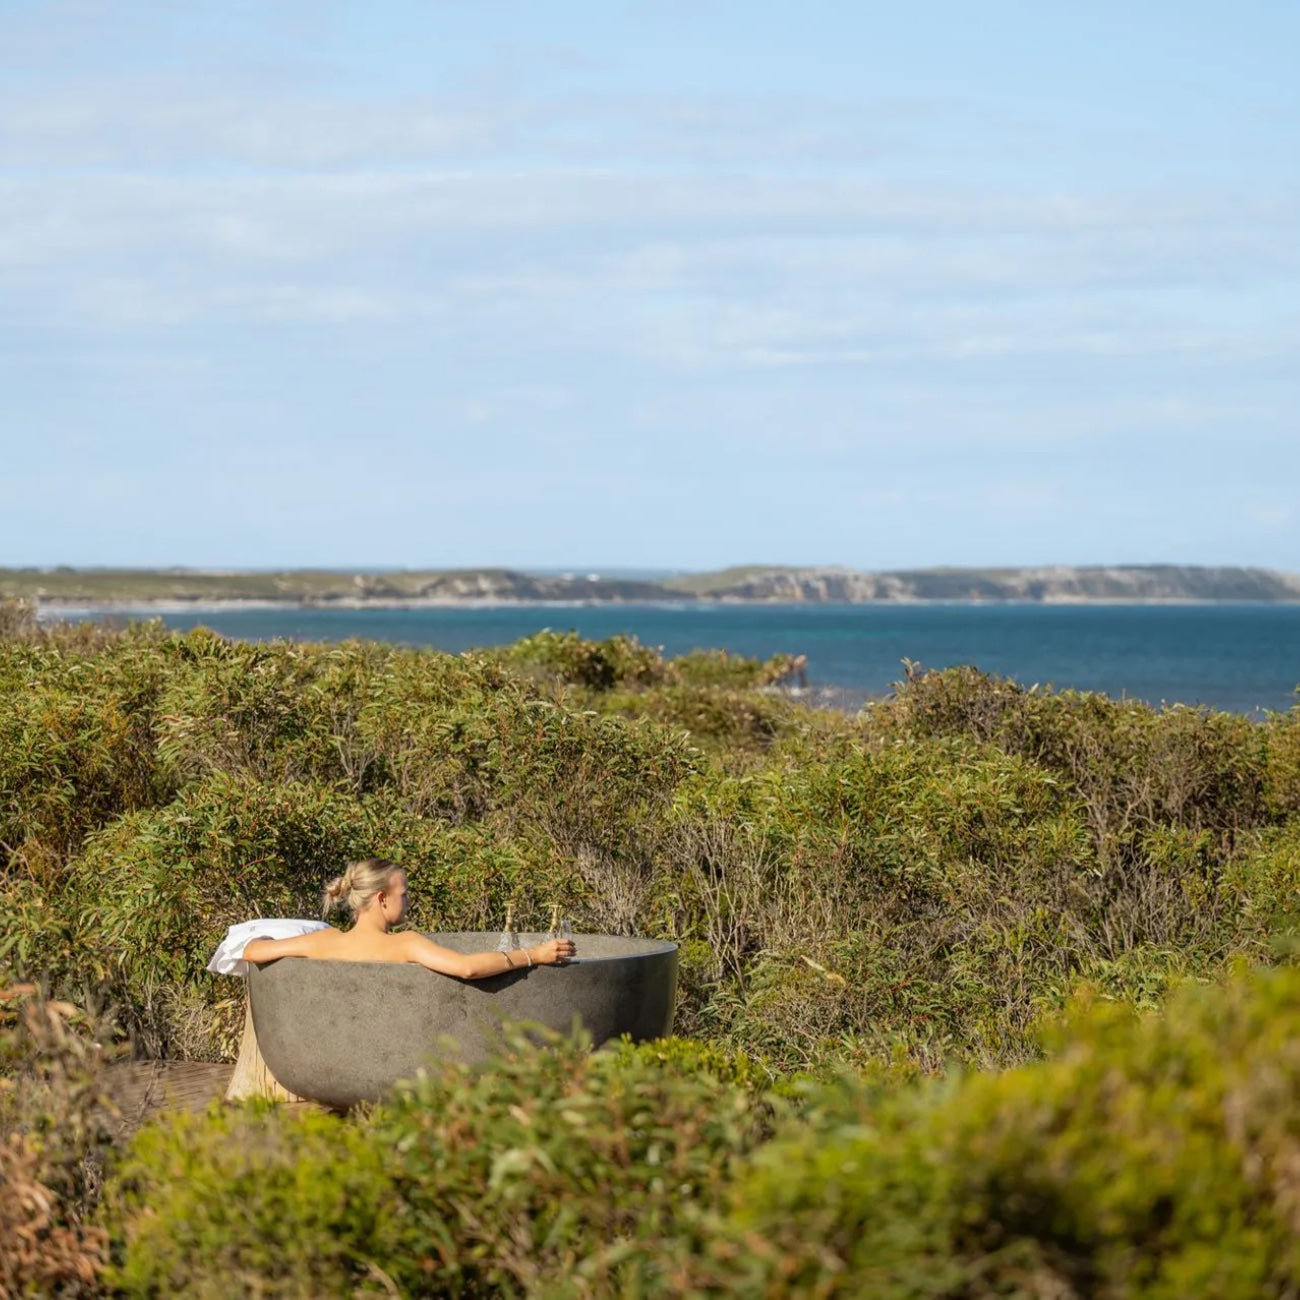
{"x": 53, "y": 609}
{"x": 48, "y": 609}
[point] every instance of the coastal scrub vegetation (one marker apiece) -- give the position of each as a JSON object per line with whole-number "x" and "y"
{"x": 890, "y": 925}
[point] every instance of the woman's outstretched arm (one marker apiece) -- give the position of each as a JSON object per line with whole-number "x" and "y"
{"x": 479, "y": 965}
{"x": 300, "y": 945}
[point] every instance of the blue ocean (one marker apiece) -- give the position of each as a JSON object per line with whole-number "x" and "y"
{"x": 1243, "y": 658}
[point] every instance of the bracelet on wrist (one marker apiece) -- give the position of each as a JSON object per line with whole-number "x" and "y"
{"x": 528, "y": 956}
{"x": 509, "y": 963}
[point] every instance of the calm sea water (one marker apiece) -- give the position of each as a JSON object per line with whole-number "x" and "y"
{"x": 1245, "y": 658}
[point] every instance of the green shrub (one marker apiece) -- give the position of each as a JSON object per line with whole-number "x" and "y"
{"x": 545, "y": 1169}
{"x": 76, "y": 746}
{"x": 1149, "y": 1155}
{"x": 150, "y": 897}
{"x": 1264, "y": 881}
{"x": 251, "y": 1201}
{"x": 596, "y": 665}
{"x": 242, "y": 777}
{"x": 1282, "y": 739}
{"x": 709, "y": 693}
{"x": 703, "y": 668}
{"x": 1130, "y": 766}
{"x": 141, "y": 908}
{"x": 271, "y": 711}
{"x": 936, "y": 888}
{"x": 928, "y": 883}
{"x": 465, "y": 741}
{"x": 560, "y": 1166}
{"x": 1152, "y": 1156}
{"x": 728, "y": 724}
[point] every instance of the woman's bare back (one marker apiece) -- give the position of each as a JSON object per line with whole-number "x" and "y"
{"x": 351, "y": 945}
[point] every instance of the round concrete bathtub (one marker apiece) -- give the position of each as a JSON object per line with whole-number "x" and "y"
{"x": 341, "y": 1032}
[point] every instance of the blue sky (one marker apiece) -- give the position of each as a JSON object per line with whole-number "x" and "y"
{"x": 649, "y": 284}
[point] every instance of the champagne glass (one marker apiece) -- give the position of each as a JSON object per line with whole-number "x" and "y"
{"x": 509, "y": 941}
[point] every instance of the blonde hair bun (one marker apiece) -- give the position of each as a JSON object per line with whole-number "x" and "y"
{"x": 356, "y": 888}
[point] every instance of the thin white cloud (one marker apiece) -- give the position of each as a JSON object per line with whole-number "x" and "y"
{"x": 741, "y": 223}
{"x": 607, "y": 261}
{"x": 148, "y": 119}
{"x": 1271, "y": 514}
{"x": 165, "y": 123}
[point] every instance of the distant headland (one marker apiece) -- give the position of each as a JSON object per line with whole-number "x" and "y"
{"x": 754, "y": 584}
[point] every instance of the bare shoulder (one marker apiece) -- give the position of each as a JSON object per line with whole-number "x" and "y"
{"x": 413, "y": 946}
{"x": 316, "y": 943}
{"x": 319, "y": 942}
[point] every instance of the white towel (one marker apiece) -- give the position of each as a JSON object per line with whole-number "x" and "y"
{"x": 229, "y": 956}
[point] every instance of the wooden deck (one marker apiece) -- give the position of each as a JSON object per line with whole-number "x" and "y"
{"x": 140, "y": 1089}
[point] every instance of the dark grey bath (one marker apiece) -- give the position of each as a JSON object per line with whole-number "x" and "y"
{"x": 341, "y": 1032}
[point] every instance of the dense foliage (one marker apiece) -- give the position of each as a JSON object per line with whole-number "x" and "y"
{"x": 1148, "y": 1156}
{"x": 549, "y": 1165}
{"x": 930, "y": 874}
{"x": 920, "y": 887}
{"x": 1151, "y": 1156}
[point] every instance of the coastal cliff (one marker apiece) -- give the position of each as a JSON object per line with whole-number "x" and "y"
{"x": 757, "y": 584}
{"x": 1054, "y": 584}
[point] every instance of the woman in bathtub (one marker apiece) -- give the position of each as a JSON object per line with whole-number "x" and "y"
{"x": 374, "y": 890}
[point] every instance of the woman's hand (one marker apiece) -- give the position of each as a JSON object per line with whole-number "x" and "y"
{"x": 554, "y": 952}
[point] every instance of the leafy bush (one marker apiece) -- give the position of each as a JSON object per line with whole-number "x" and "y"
{"x": 1282, "y": 740}
{"x": 925, "y": 884}
{"x": 703, "y": 668}
{"x": 1130, "y": 766}
{"x": 1264, "y": 879}
{"x": 1151, "y": 1156}
{"x": 54, "y": 1129}
{"x": 266, "y": 710}
{"x": 546, "y": 1167}
{"x": 150, "y": 896}
{"x": 596, "y": 665}
{"x": 933, "y": 890}
{"x": 250, "y": 1201}
{"x": 564, "y": 1165}
{"x": 728, "y": 724}
{"x": 76, "y": 745}
{"x": 160, "y": 788}
{"x": 709, "y": 693}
